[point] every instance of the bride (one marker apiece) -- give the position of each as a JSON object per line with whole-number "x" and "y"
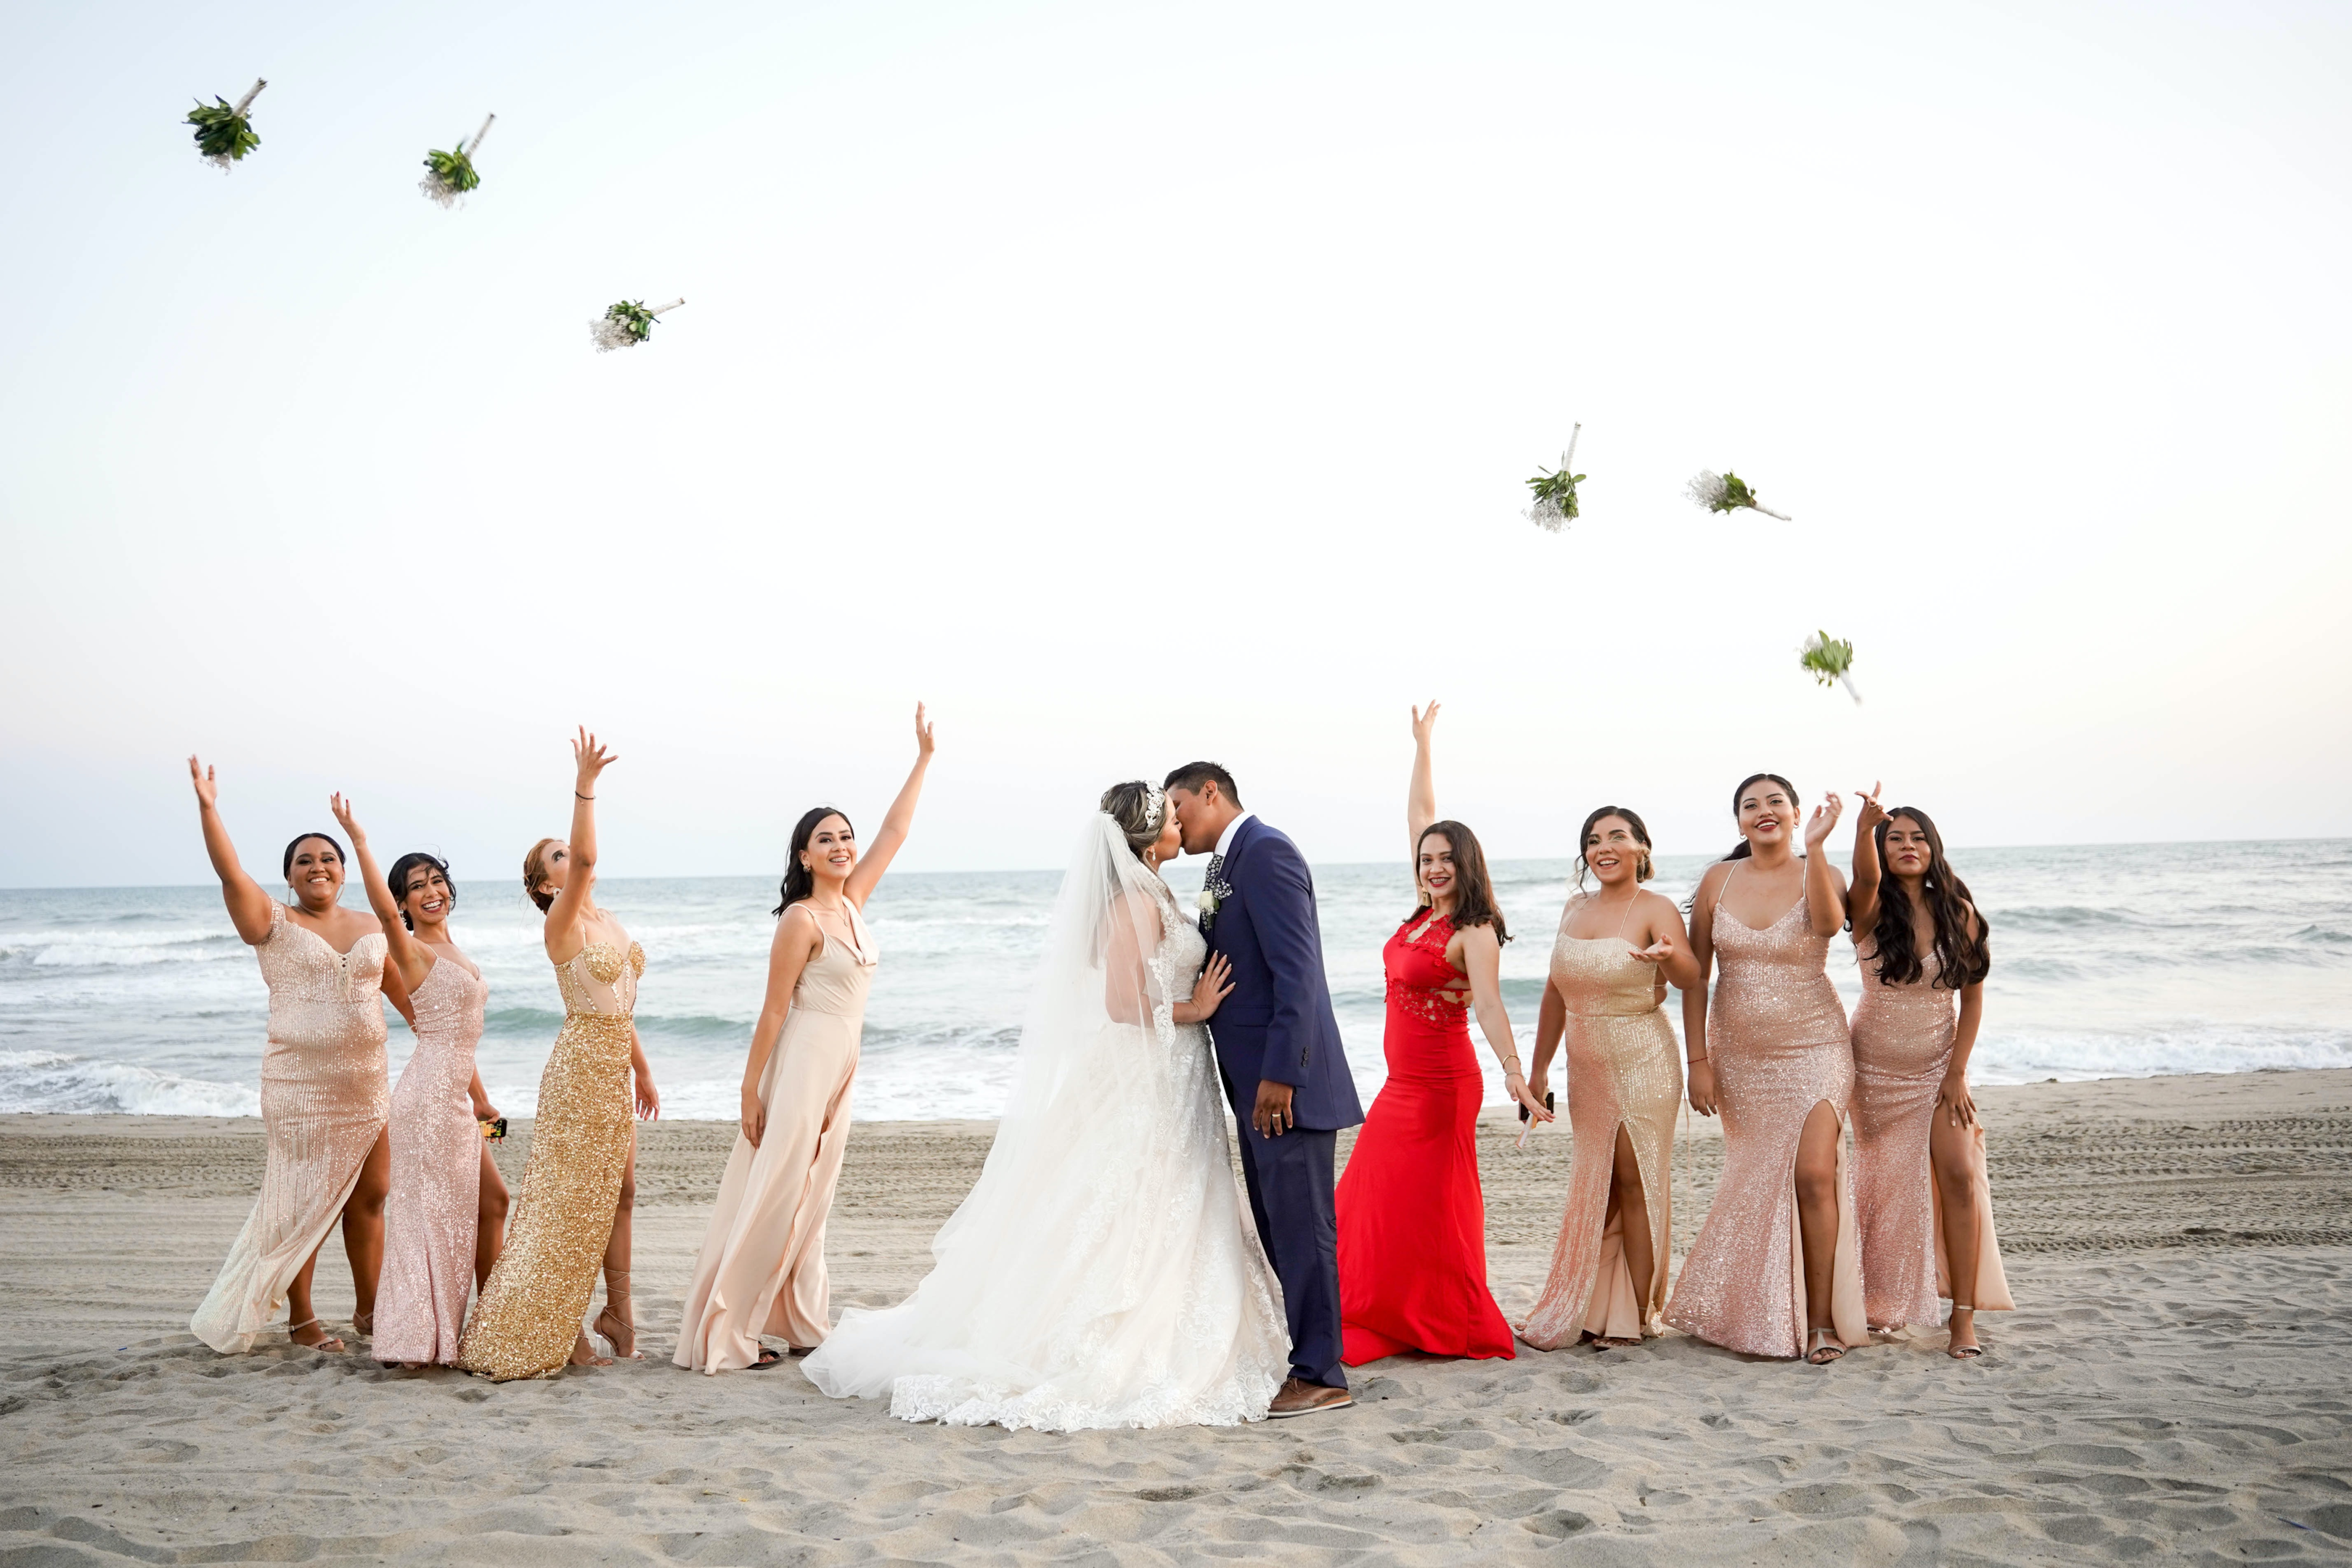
{"x": 1101, "y": 1273}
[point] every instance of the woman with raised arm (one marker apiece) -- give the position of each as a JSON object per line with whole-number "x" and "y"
{"x": 1775, "y": 1271}
{"x": 443, "y": 1221}
{"x": 578, "y": 1186}
{"x": 1412, "y": 1219}
{"x": 762, "y": 1269}
{"x": 1617, "y": 949}
{"x": 324, "y": 1094}
{"x": 1926, "y": 1203}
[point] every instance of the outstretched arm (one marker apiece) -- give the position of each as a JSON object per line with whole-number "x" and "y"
{"x": 249, "y": 906}
{"x": 1420, "y": 795}
{"x": 1862, "y": 902}
{"x": 1824, "y": 888}
{"x": 562, "y": 933}
{"x": 406, "y": 951}
{"x": 895, "y": 826}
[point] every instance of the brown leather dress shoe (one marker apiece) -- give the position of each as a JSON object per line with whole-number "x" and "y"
{"x": 1297, "y": 1398}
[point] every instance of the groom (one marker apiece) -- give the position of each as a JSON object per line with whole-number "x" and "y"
{"x": 1278, "y": 1050}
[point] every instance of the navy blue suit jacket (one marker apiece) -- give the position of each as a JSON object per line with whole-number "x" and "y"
{"x": 1277, "y": 1022}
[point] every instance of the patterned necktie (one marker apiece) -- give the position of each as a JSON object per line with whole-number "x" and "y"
{"x": 1209, "y": 917}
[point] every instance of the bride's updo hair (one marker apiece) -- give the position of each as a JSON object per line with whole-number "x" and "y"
{"x": 1140, "y": 811}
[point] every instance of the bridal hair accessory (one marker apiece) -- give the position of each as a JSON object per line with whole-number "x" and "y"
{"x": 1727, "y": 492}
{"x": 224, "y": 135}
{"x": 1555, "y": 504}
{"x": 626, "y": 324}
{"x": 448, "y": 175}
{"x": 1828, "y": 658}
{"x": 1155, "y": 808}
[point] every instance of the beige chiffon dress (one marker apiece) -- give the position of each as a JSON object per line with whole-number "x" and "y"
{"x": 528, "y": 1317}
{"x": 1621, "y": 1070}
{"x": 324, "y": 1098}
{"x": 1777, "y": 1035}
{"x": 761, "y": 1269}
{"x": 1902, "y": 1048}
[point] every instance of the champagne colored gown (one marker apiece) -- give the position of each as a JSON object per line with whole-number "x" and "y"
{"x": 430, "y": 1220}
{"x": 761, "y": 1269}
{"x": 1902, "y": 1048}
{"x": 323, "y": 1103}
{"x": 1621, "y": 1070}
{"x": 529, "y": 1318}
{"x": 1412, "y": 1216}
{"x": 1777, "y": 1035}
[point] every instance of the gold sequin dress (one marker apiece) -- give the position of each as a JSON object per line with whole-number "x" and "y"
{"x": 1902, "y": 1047}
{"x": 1777, "y": 1035}
{"x": 528, "y": 1320}
{"x": 430, "y": 1220}
{"x": 324, "y": 1098}
{"x": 761, "y": 1267}
{"x": 1621, "y": 1069}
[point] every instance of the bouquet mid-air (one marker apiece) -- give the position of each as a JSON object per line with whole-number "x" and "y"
{"x": 448, "y": 175}
{"x": 223, "y": 132}
{"x": 1727, "y": 492}
{"x": 1555, "y": 492}
{"x": 625, "y": 324}
{"x": 1827, "y": 658}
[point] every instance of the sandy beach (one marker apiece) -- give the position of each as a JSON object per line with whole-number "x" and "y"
{"x": 2174, "y": 1387}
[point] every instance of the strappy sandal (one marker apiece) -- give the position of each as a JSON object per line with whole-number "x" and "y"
{"x": 768, "y": 1358}
{"x": 330, "y": 1343}
{"x": 1961, "y": 1353}
{"x": 1825, "y": 1349}
{"x": 623, "y": 1325}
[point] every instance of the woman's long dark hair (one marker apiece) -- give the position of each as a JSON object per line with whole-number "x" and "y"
{"x": 1963, "y": 958}
{"x": 398, "y": 881}
{"x": 799, "y": 880}
{"x": 1741, "y": 851}
{"x": 296, "y": 843}
{"x": 1642, "y": 870}
{"x": 1473, "y": 893}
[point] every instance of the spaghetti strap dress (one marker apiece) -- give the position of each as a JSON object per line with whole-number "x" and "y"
{"x": 430, "y": 1220}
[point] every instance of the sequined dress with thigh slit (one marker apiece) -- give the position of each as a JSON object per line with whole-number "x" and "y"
{"x": 761, "y": 1269}
{"x": 1777, "y": 1035}
{"x": 528, "y": 1320}
{"x": 429, "y": 1220}
{"x": 1902, "y": 1047}
{"x": 323, "y": 1103}
{"x": 1622, "y": 1070}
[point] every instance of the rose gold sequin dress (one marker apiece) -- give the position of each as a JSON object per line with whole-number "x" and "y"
{"x": 761, "y": 1269}
{"x": 323, "y": 1102}
{"x": 1902, "y": 1047}
{"x": 1621, "y": 1069}
{"x": 437, "y": 1174}
{"x": 1777, "y": 1035}
{"x": 528, "y": 1317}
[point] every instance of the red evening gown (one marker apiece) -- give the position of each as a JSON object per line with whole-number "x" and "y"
{"x": 1413, "y": 1222}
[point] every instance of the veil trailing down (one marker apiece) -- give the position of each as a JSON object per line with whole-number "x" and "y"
{"x": 1102, "y": 1272}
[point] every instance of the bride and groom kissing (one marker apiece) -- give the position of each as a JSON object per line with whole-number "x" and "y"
{"x": 1103, "y": 1272}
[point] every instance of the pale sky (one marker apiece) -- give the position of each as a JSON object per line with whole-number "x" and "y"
{"x": 1142, "y": 382}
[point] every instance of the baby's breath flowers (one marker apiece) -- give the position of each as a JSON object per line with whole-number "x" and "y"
{"x": 625, "y": 324}
{"x": 223, "y": 133}
{"x": 1727, "y": 492}
{"x": 1555, "y": 493}
{"x": 448, "y": 175}
{"x": 1827, "y": 658}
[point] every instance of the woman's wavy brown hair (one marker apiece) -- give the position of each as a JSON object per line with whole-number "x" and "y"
{"x": 534, "y": 875}
{"x": 1474, "y": 891}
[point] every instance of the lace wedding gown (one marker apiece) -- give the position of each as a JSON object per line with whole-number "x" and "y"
{"x": 1102, "y": 1272}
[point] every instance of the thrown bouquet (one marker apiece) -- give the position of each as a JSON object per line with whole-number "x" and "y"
{"x": 1555, "y": 493}
{"x": 626, "y": 324}
{"x": 448, "y": 175}
{"x": 223, "y": 133}
{"x": 1727, "y": 492}
{"x": 1827, "y": 658}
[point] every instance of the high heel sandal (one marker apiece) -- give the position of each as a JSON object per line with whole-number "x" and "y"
{"x": 624, "y": 1347}
{"x": 1961, "y": 1353}
{"x": 1824, "y": 1348}
{"x": 326, "y": 1342}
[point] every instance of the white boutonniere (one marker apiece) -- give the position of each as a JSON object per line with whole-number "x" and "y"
{"x": 1212, "y": 894}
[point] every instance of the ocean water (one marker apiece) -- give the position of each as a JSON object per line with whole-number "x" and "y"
{"x": 2108, "y": 959}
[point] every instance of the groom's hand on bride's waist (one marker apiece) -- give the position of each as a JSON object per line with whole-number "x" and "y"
{"x": 1271, "y": 1115}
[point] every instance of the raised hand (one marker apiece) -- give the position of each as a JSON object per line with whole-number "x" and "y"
{"x": 207, "y": 788}
{"x": 1424, "y": 723}
{"x": 342, "y": 810}
{"x": 592, "y": 759}
{"x": 1871, "y": 814}
{"x": 1825, "y": 816}
{"x": 922, "y": 734}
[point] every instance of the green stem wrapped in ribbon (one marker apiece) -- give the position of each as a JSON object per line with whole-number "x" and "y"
{"x": 625, "y": 324}
{"x": 1727, "y": 492}
{"x": 1827, "y": 658}
{"x": 1555, "y": 493}
{"x": 223, "y": 133}
{"x": 448, "y": 175}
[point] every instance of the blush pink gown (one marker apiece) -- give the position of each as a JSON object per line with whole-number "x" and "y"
{"x": 323, "y": 1103}
{"x": 1902, "y": 1047}
{"x": 1777, "y": 1035}
{"x": 429, "y": 1220}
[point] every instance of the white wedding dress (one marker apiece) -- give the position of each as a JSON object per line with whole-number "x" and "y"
{"x": 1103, "y": 1272}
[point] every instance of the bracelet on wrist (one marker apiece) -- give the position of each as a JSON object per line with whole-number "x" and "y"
{"x": 577, "y": 795}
